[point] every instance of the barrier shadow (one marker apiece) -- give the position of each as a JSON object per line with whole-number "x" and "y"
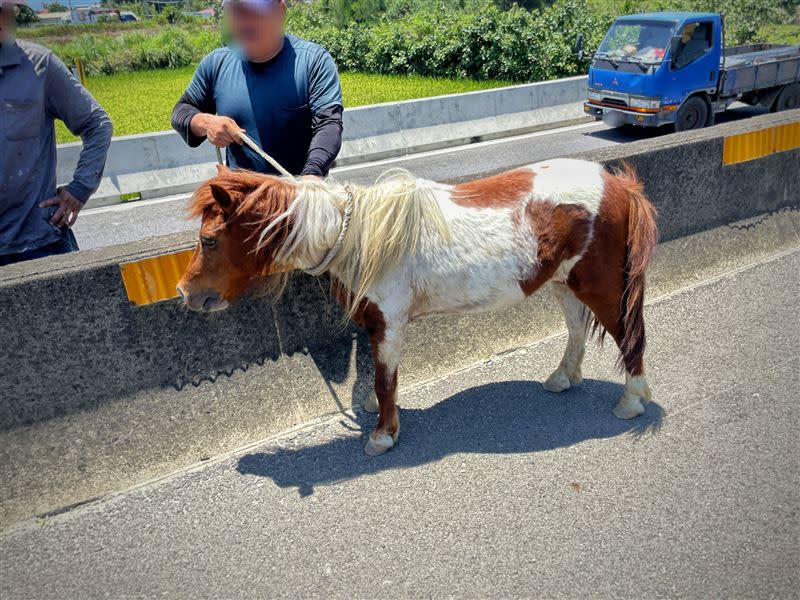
{"x": 110, "y": 349}
{"x": 511, "y": 417}
{"x": 631, "y": 133}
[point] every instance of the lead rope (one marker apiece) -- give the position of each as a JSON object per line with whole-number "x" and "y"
{"x": 348, "y": 209}
{"x": 348, "y": 213}
{"x": 254, "y": 147}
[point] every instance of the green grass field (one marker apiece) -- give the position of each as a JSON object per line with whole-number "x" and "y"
{"x": 141, "y": 102}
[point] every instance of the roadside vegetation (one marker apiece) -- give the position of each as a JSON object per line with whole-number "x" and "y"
{"x": 480, "y": 39}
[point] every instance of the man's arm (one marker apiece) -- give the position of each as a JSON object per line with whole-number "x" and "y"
{"x": 325, "y": 100}
{"x": 326, "y": 141}
{"x": 193, "y": 116}
{"x": 185, "y": 110}
{"x": 68, "y": 100}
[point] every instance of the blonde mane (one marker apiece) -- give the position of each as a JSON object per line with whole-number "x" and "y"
{"x": 388, "y": 221}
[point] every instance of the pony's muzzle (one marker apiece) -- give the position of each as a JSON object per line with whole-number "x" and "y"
{"x": 203, "y": 300}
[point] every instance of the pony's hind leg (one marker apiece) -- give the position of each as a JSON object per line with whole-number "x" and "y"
{"x": 607, "y": 310}
{"x": 636, "y": 391}
{"x": 568, "y": 372}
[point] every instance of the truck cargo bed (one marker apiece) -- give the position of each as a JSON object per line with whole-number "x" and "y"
{"x": 753, "y": 55}
{"x": 758, "y": 66}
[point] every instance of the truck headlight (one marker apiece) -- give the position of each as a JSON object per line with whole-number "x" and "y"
{"x": 595, "y": 95}
{"x": 645, "y": 102}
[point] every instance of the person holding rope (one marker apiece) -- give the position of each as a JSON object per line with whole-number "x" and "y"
{"x": 36, "y": 88}
{"x": 280, "y": 90}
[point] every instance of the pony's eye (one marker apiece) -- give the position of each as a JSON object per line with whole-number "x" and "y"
{"x": 208, "y": 242}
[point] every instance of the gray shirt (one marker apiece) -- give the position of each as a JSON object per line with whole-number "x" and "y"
{"x": 36, "y": 88}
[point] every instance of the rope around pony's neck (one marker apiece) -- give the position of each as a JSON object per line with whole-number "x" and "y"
{"x": 348, "y": 213}
{"x": 254, "y": 147}
{"x": 348, "y": 209}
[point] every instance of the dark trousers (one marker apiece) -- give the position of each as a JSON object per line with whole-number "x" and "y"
{"x": 66, "y": 244}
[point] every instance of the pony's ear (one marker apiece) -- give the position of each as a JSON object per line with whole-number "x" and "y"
{"x": 223, "y": 169}
{"x": 222, "y": 197}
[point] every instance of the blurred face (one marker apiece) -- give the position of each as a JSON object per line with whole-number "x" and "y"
{"x": 257, "y": 28}
{"x": 8, "y": 23}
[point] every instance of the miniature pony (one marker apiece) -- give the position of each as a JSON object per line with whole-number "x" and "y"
{"x": 406, "y": 247}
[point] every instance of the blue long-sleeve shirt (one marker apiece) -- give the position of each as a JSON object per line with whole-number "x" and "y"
{"x": 290, "y": 105}
{"x": 35, "y": 89}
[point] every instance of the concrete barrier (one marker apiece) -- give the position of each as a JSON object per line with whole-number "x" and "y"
{"x": 160, "y": 164}
{"x": 98, "y": 394}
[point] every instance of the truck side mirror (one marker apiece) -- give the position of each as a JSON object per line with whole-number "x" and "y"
{"x": 579, "y": 46}
{"x": 674, "y": 48}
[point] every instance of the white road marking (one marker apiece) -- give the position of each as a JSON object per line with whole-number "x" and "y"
{"x": 463, "y": 147}
{"x": 135, "y": 204}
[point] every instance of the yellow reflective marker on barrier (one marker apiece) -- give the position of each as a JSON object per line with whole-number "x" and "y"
{"x": 763, "y": 142}
{"x": 154, "y": 279}
{"x": 787, "y": 137}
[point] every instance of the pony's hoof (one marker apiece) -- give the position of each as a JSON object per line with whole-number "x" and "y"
{"x": 560, "y": 380}
{"x": 628, "y": 407}
{"x": 371, "y": 403}
{"x": 557, "y": 382}
{"x": 379, "y": 442}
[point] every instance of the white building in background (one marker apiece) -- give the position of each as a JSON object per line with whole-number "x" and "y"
{"x": 91, "y": 14}
{"x": 52, "y": 18}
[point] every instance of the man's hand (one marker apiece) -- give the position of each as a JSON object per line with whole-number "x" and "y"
{"x": 220, "y": 131}
{"x": 68, "y": 208}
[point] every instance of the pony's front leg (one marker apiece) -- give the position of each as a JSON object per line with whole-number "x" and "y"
{"x": 386, "y": 349}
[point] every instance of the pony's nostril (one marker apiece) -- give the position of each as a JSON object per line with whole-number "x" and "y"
{"x": 210, "y": 301}
{"x": 180, "y": 293}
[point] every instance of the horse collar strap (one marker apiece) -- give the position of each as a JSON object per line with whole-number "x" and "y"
{"x": 348, "y": 213}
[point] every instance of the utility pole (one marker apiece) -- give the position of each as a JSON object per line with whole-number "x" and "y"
{"x": 145, "y": 9}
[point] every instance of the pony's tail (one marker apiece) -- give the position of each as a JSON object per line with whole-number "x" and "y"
{"x": 641, "y": 242}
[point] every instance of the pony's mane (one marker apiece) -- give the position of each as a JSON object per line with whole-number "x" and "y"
{"x": 388, "y": 221}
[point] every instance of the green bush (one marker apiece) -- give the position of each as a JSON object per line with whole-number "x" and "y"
{"x": 482, "y": 43}
{"x": 169, "y": 48}
{"x": 745, "y": 20}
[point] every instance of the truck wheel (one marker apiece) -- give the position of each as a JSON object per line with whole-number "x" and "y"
{"x": 692, "y": 115}
{"x": 788, "y": 99}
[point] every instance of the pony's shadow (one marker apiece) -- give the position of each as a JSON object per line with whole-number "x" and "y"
{"x": 501, "y": 418}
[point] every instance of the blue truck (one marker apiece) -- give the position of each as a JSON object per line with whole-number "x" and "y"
{"x": 654, "y": 69}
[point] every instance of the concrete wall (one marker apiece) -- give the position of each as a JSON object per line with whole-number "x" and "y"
{"x": 97, "y": 393}
{"x": 160, "y": 164}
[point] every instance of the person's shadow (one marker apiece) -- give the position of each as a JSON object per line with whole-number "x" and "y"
{"x": 501, "y": 418}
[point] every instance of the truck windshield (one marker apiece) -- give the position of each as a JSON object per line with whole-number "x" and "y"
{"x": 637, "y": 41}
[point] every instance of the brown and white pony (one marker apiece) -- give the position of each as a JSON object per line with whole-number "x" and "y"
{"x": 415, "y": 247}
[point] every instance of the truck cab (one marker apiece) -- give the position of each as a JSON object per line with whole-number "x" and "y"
{"x": 649, "y": 64}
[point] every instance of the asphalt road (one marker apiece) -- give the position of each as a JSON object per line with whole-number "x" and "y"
{"x": 496, "y": 488}
{"x": 107, "y": 226}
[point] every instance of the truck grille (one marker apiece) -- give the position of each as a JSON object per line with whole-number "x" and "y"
{"x": 615, "y": 102}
